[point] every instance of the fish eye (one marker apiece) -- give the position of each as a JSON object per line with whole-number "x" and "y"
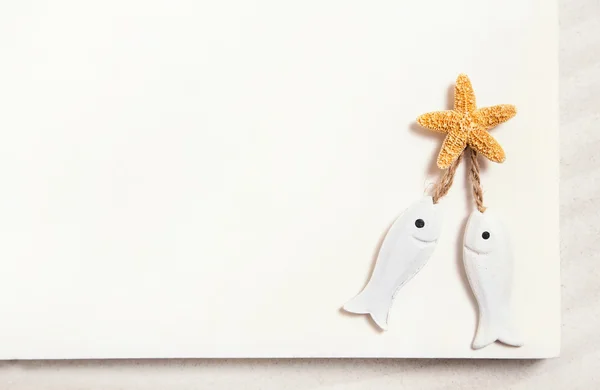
{"x": 485, "y": 235}
{"x": 419, "y": 223}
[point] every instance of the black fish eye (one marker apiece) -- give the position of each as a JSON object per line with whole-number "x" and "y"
{"x": 485, "y": 235}
{"x": 419, "y": 223}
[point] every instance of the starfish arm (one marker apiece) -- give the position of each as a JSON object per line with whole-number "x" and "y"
{"x": 464, "y": 96}
{"x": 453, "y": 146}
{"x": 440, "y": 121}
{"x": 489, "y": 117}
{"x": 482, "y": 142}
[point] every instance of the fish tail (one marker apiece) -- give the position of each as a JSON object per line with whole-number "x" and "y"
{"x": 510, "y": 336}
{"x": 373, "y": 304}
{"x": 488, "y": 332}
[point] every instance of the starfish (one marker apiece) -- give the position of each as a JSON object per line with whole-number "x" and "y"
{"x": 467, "y": 125}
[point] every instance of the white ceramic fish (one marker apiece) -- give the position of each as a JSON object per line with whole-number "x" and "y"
{"x": 407, "y": 246}
{"x": 489, "y": 266}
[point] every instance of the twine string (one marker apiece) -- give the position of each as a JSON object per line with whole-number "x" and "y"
{"x": 445, "y": 182}
{"x": 443, "y": 186}
{"x": 476, "y": 182}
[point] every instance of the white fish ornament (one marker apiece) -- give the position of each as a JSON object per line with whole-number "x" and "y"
{"x": 489, "y": 266}
{"x": 407, "y": 246}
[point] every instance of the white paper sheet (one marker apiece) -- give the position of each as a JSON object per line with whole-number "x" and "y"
{"x": 211, "y": 179}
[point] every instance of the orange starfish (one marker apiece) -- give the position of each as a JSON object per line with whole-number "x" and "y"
{"x": 467, "y": 125}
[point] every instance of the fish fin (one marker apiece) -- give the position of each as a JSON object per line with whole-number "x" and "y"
{"x": 371, "y": 304}
{"x": 509, "y": 336}
{"x": 488, "y": 333}
{"x": 485, "y": 335}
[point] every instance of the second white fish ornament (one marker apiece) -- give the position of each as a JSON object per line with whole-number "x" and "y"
{"x": 488, "y": 263}
{"x": 407, "y": 246}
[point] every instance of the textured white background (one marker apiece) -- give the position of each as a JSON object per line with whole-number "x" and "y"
{"x": 578, "y": 366}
